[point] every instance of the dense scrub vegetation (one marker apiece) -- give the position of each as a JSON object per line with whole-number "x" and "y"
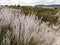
{"x": 48, "y": 14}
{"x": 20, "y": 29}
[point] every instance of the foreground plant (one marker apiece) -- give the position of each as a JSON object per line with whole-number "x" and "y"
{"x": 18, "y": 29}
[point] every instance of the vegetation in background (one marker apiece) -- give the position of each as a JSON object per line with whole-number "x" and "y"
{"x": 20, "y": 29}
{"x": 48, "y": 14}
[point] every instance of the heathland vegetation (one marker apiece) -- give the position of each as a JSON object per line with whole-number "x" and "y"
{"x": 48, "y": 14}
{"x": 27, "y": 25}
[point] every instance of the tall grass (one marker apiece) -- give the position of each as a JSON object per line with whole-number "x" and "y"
{"x": 18, "y": 29}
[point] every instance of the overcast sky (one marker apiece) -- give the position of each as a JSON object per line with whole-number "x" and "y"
{"x": 29, "y": 2}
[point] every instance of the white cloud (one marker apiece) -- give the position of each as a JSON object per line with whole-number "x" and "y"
{"x": 8, "y": 2}
{"x": 29, "y": 2}
{"x": 50, "y": 0}
{"x": 57, "y": 1}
